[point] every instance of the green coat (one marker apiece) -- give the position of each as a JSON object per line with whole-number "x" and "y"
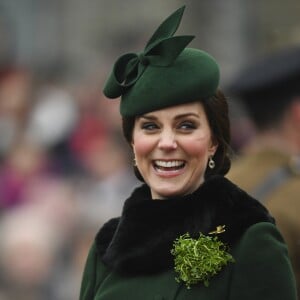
{"x": 135, "y": 266}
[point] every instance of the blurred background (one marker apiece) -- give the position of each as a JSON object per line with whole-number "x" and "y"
{"x": 64, "y": 165}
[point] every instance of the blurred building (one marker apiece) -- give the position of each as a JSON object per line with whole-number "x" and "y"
{"x": 90, "y": 33}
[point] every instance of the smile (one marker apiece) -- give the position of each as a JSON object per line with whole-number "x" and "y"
{"x": 171, "y": 165}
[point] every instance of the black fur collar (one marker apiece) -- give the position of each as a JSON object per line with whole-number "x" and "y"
{"x": 139, "y": 242}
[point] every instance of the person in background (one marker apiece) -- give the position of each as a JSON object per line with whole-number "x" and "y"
{"x": 186, "y": 232}
{"x": 27, "y": 257}
{"x": 16, "y": 93}
{"x": 269, "y": 165}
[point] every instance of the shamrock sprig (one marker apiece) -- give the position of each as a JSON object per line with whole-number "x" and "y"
{"x": 197, "y": 260}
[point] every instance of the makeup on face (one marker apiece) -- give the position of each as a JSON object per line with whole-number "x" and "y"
{"x": 172, "y": 147}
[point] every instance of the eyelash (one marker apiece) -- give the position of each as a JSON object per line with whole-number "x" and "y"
{"x": 149, "y": 126}
{"x": 186, "y": 125}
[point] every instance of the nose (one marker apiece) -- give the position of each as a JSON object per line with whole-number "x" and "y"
{"x": 167, "y": 141}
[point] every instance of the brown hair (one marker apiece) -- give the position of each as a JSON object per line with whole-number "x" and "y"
{"x": 216, "y": 109}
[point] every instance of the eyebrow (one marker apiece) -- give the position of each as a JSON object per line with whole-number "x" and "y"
{"x": 189, "y": 114}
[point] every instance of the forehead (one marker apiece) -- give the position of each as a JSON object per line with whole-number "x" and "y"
{"x": 194, "y": 108}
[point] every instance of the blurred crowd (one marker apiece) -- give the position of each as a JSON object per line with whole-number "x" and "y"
{"x": 64, "y": 170}
{"x": 65, "y": 167}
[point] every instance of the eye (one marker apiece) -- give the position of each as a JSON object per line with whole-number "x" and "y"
{"x": 149, "y": 126}
{"x": 187, "y": 125}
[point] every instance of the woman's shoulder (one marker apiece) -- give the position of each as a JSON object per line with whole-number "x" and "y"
{"x": 263, "y": 232}
{"x": 262, "y": 266}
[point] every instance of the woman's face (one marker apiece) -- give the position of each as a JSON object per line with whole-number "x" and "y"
{"x": 172, "y": 147}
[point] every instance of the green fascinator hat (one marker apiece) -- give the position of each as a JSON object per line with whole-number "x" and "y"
{"x": 165, "y": 74}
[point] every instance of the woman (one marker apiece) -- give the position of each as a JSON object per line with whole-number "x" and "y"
{"x": 187, "y": 232}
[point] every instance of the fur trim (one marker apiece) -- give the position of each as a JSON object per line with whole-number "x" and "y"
{"x": 139, "y": 242}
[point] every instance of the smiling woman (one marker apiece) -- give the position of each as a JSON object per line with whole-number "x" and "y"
{"x": 198, "y": 241}
{"x": 215, "y": 110}
{"x": 172, "y": 147}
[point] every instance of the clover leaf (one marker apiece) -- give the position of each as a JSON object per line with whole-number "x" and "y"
{"x": 197, "y": 260}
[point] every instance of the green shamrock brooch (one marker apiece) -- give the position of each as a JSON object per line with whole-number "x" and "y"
{"x": 197, "y": 260}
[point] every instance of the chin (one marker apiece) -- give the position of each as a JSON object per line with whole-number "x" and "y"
{"x": 163, "y": 193}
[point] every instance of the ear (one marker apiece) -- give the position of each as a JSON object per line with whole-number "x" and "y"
{"x": 133, "y": 149}
{"x": 291, "y": 119}
{"x": 214, "y": 146}
{"x": 295, "y": 111}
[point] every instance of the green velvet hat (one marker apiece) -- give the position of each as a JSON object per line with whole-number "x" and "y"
{"x": 165, "y": 74}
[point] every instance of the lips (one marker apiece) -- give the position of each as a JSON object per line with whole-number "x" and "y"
{"x": 170, "y": 165}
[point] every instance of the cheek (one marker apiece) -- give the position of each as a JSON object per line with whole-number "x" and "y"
{"x": 198, "y": 148}
{"x": 141, "y": 149}
{"x": 142, "y": 146}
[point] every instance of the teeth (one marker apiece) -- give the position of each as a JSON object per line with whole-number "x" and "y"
{"x": 169, "y": 164}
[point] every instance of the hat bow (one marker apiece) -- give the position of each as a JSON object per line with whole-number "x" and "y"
{"x": 161, "y": 50}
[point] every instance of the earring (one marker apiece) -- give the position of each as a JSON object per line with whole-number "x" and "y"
{"x": 211, "y": 163}
{"x": 134, "y": 162}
